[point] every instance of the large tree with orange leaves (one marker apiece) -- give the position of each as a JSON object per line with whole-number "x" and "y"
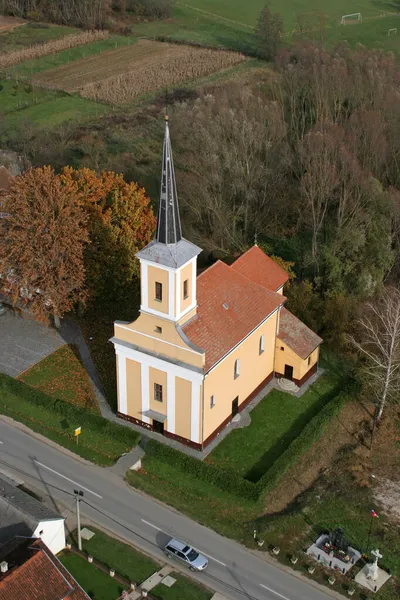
{"x": 121, "y": 221}
{"x": 43, "y": 233}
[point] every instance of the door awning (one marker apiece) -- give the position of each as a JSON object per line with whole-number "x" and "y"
{"x": 153, "y": 414}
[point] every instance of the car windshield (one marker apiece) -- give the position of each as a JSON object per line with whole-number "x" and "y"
{"x": 192, "y": 555}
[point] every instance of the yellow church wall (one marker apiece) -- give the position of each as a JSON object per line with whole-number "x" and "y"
{"x": 134, "y": 389}
{"x": 186, "y": 274}
{"x": 254, "y": 369}
{"x": 289, "y": 357}
{"x": 169, "y": 343}
{"x": 154, "y": 275}
{"x": 188, "y": 316}
{"x": 160, "y": 377}
{"x": 183, "y": 399}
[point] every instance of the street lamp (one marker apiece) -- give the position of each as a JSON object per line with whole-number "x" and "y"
{"x": 78, "y": 495}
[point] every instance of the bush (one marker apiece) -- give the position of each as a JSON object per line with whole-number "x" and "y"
{"x": 226, "y": 479}
{"x": 152, "y": 9}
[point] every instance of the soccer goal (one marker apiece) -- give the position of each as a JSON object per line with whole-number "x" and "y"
{"x": 392, "y": 31}
{"x": 353, "y": 18}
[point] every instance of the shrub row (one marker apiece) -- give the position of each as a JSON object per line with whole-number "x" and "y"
{"x": 11, "y": 390}
{"x": 311, "y": 433}
{"x": 226, "y": 479}
{"x": 229, "y": 481}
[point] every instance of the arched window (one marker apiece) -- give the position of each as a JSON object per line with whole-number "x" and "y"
{"x": 237, "y": 368}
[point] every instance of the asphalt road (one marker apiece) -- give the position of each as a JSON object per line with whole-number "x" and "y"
{"x": 108, "y": 501}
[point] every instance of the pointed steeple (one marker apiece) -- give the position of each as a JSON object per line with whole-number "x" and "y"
{"x": 168, "y": 220}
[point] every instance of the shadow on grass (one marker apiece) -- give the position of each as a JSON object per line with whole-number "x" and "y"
{"x": 268, "y": 459}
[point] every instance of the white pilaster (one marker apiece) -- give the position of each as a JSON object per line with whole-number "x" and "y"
{"x": 194, "y": 281}
{"x": 144, "y": 285}
{"x": 195, "y": 414}
{"x": 144, "y": 370}
{"x": 122, "y": 385}
{"x": 171, "y": 402}
{"x": 171, "y": 294}
{"x": 178, "y": 293}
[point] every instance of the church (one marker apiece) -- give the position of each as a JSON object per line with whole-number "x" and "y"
{"x": 204, "y": 345}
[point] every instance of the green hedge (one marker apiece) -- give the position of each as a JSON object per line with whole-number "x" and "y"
{"x": 229, "y": 481}
{"x": 226, "y": 479}
{"x": 101, "y": 441}
{"x": 311, "y": 433}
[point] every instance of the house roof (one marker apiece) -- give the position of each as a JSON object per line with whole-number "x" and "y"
{"x": 20, "y": 513}
{"x": 34, "y": 573}
{"x": 230, "y": 306}
{"x": 170, "y": 255}
{"x": 260, "y": 268}
{"x": 300, "y": 338}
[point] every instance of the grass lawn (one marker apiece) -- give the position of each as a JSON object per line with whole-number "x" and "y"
{"x": 126, "y": 561}
{"x": 101, "y": 441}
{"x": 247, "y": 13}
{"x": 63, "y": 377}
{"x": 275, "y": 422}
{"x": 97, "y": 585}
{"x": 182, "y": 589}
{"x": 32, "y": 33}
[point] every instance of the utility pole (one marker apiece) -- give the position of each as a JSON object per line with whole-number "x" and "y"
{"x": 78, "y": 495}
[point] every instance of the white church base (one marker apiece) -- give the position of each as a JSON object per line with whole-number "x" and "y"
{"x": 370, "y": 584}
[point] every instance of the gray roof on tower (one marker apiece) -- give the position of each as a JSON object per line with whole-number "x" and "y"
{"x": 169, "y": 248}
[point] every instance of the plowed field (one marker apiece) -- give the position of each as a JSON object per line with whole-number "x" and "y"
{"x": 146, "y": 66}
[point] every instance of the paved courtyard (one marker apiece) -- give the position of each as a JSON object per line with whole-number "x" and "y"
{"x": 23, "y": 342}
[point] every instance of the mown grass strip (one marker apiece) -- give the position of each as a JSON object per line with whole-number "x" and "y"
{"x": 101, "y": 441}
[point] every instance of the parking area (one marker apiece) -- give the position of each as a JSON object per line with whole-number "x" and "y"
{"x": 23, "y": 342}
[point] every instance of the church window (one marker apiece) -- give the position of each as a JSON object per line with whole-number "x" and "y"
{"x": 309, "y": 360}
{"x": 185, "y": 289}
{"x": 158, "y": 291}
{"x": 158, "y": 392}
{"x": 158, "y": 329}
{"x": 261, "y": 347}
{"x": 237, "y": 368}
{"x": 212, "y": 401}
{"x": 282, "y": 348}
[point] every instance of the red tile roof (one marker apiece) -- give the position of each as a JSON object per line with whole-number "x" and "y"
{"x": 36, "y": 574}
{"x": 260, "y": 268}
{"x": 296, "y": 335}
{"x": 230, "y": 306}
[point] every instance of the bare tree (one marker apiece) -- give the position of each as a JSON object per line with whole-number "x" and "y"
{"x": 379, "y": 344}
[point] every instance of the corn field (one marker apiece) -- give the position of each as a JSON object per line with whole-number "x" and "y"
{"x": 175, "y": 65}
{"x": 51, "y": 47}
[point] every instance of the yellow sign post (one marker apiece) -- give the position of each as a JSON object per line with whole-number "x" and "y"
{"x": 77, "y": 433}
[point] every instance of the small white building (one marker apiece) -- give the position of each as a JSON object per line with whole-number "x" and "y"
{"x": 23, "y": 515}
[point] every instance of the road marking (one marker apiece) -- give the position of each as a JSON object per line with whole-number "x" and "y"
{"x": 274, "y": 592}
{"x": 151, "y": 525}
{"x": 201, "y": 551}
{"x": 212, "y": 558}
{"x": 68, "y": 479}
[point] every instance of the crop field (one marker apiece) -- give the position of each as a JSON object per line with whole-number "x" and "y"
{"x": 30, "y": 34}
{"x": 9, "y": 59}
{"x": 118, "y": 76}
{"x": 8, "y": 23}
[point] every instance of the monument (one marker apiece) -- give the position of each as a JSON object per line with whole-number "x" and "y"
{"x": 371, "y": 576}
{"x": 333, "y": 550}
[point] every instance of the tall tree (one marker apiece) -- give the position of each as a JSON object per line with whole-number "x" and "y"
{"x": 269, "y": 32}
{"x": 43, "y": 233}
{"x": 378, "y": 343}
{"x": 120, "y": 221}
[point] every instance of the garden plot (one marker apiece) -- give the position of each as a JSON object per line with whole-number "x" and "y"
{"x": 120, "y": 75}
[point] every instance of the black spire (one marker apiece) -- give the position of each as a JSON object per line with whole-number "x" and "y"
{"x": 168, "y": 219}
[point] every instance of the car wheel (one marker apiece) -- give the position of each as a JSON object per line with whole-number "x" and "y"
{"x": 192, "y": 568}
{"x": 167, "y": 554}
